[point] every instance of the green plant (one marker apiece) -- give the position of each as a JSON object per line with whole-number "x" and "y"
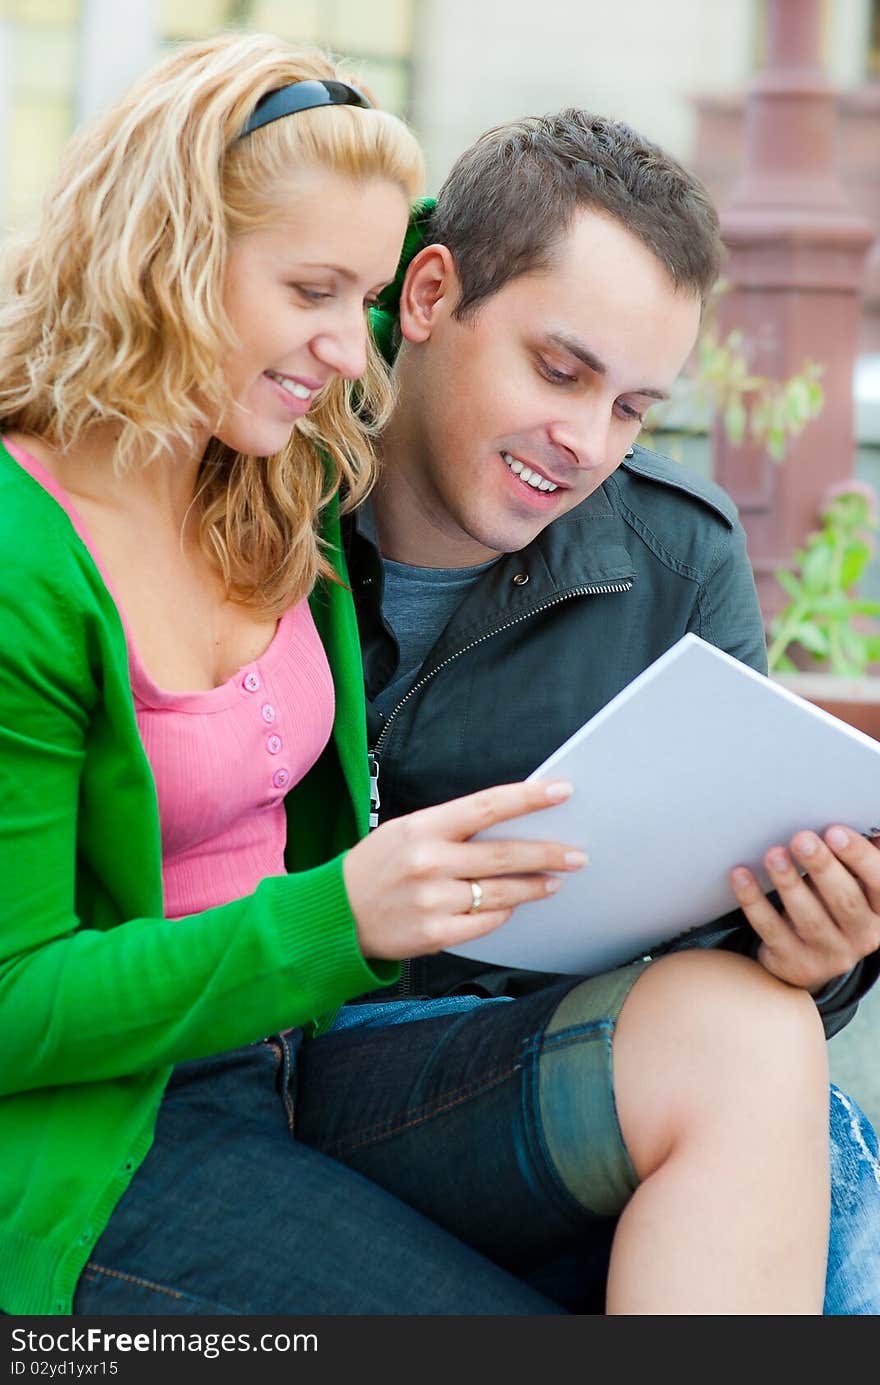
{"x": 722, "y": 385}
{"x": 825, "y": 619}
{"x": 770, "y": 412}
{"x": 824, "y": 616}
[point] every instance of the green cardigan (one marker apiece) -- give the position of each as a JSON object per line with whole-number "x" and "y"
{"x": 94, "y": 1014}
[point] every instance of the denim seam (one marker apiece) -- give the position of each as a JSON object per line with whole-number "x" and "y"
{"x": 596, "y": 1029}
{"x": 151, "y": 1284}
{"x": 543, "y": 1166}
{"x": 555, "y": 1185}
{"x": 286, "y": 1098}
{"x": 381, "y": 1129}
{"x": 573, "y": 1033}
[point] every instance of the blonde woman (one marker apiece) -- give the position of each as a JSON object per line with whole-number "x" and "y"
{"x": 180, "y": 339}
{"x": 187, "y": 391}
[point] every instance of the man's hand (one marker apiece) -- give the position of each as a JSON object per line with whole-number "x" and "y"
{"x": 830, "y": 916}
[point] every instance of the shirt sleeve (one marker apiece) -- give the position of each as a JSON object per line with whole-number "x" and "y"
{"x": 727, "y": 612}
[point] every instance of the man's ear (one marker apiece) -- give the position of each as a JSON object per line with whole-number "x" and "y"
{"x": 430, "y": 289}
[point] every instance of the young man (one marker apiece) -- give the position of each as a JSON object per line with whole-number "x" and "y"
{"x": 522, "y": 558}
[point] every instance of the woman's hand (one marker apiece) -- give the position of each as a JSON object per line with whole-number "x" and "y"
{"x": 409, "y": 882}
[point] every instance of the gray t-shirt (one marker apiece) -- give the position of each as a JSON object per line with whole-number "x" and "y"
{"x": 418, "y": 603}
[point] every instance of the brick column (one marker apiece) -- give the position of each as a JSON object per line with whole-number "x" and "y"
{"x": 860, "y": 133}
{"x": 796, "y": 262}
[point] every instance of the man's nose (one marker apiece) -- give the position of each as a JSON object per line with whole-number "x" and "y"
{"x": 584, "y": 433}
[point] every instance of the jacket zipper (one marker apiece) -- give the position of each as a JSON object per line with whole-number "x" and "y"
{"x": 404, "y": 986}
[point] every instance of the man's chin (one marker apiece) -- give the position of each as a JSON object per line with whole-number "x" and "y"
{"x": 510, "y": 539}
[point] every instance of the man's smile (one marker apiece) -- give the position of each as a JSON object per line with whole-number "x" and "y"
{"x": 530, "y": 487}
{"x": 530, "y": 474}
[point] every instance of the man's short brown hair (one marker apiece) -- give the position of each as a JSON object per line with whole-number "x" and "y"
{"x": 509, "y": 199}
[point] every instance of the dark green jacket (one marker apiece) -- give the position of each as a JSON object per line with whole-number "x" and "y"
{"x": 547, "y": 637}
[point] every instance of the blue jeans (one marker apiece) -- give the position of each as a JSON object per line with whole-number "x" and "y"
{"x": 242, "y": 1206}
{"x": 235, "y": 1210}
{"x": 852, "y": 1285}
{"x": 853, "y": 1282}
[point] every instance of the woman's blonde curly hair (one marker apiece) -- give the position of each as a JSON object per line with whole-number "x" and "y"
{"x": 112, "y": 308}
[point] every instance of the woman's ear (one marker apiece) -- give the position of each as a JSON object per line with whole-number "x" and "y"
{"x": 430, "y": 289}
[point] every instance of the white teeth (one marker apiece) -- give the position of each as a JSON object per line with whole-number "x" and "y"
{"x": 298, "y": 391}
{"x": 525, "y": 473}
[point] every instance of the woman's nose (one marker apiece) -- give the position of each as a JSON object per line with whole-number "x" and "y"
{"x": 344, "y": 349}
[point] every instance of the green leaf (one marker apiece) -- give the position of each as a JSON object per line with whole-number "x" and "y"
{"x": 776, "y": 444}
{"x": 836, "y": 605}
{"x": 735, "y": 420}
{"x": 789, "y": 583}
{"x": 759, "y": 418}
{"x": 854, "y": 562}
{"x": 817, "y": 569}
{"x": 854, "y": 649}
{"x": 797, "y": 402}
{"x": 817, "y": 398}
{"x": 738, "y": 370}
{"x": 814, "y": 640}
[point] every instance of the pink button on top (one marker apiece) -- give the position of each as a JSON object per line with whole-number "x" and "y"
{"x": 268, "y": 713}
{"x": 280, "y": 778}
{"x": 273, "y": 744}
{"x": 250, "y": 682}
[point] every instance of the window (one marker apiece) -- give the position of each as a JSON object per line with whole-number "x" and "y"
{"x": 41, "y": 68}
{"x": 376, "y": 37}
{"x": 39, "y": 46}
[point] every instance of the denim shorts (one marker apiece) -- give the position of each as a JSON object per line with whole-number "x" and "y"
{"x": 448, "y": 1162}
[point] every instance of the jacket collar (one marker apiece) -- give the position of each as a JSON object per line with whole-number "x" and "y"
{"x": 582, "y": 551}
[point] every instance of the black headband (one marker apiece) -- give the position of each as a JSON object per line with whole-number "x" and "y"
{"x": 301, "y": 96}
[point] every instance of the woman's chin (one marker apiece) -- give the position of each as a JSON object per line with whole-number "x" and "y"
{"x": 262, "y": 442}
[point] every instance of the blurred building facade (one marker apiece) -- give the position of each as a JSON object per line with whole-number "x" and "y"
{"x": 453, "y": 67}
{"x": 677, "y": 71}
{"x": 63, "y": 60}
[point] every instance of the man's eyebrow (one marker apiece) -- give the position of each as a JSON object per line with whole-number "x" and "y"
{"x": 582, "y": 353}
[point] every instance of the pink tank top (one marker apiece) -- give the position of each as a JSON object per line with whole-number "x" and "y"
{"x": 223, "y": 759}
